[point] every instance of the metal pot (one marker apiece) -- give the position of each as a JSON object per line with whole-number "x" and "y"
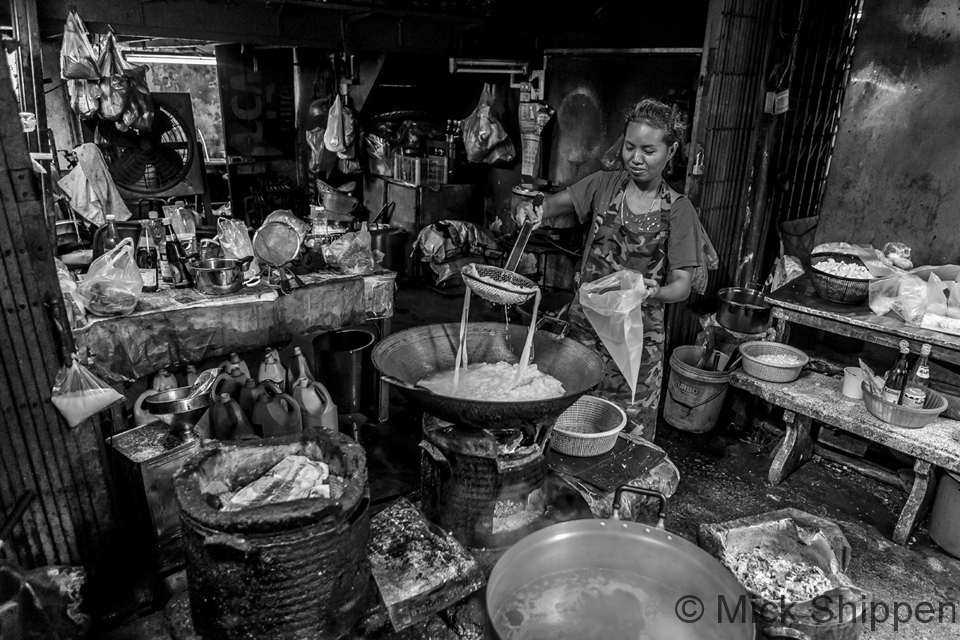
{"x": 743, "y": 310}
{"x": 614, "y": 579}
{"x": 338, "y": 202}
{"x": 389, "y": 241}
{"x": 219, "y": 276}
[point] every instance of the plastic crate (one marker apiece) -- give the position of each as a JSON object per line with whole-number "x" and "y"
{"x": 421, "y": 171}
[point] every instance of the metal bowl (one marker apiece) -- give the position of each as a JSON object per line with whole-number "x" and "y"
{"x": 177, "y": 409}
{"x": 219, "y": 276}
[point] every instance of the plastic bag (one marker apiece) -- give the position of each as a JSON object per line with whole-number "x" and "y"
{"x": 484, "y": 138}
{"x": 235, "y": 240}
{"x": 612, "y": 304}
{"x": 612, "y": 159}
{"x": 334, "y": 138}
{"x": 883, "y": 292}
{"x": 449, "y": 239}
{"x": 113, "y": 284}
{"x": 71, "y": 298}
{"x": 78, "y": 393}
{"x": 379, "y": 154}
{"x": 78, "y": 61}
{"x": 84, "y": 97}
{"x": 352, "y": 252}
{"x": 114, "y": 85}
{"x": 936, "y": 296}
{"x": 786, "y": 269}
{"x": 953, "y": 299}
{"x": 898, "y": 254}
{"x": 139, "y": 111}
{"x": 911, "y": 300}
{"x": 349, "y": 119}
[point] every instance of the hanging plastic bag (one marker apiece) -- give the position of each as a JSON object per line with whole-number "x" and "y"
{"x": 114, "y": 85}
{"x": 235, "y": 240}
{"x": 78, "y": 393}
{"x": 78, "y": 61}
{"x": 350, "y": 127}
{"x": 484, "y": 138}
{"x": 84, "y": 97}
{"x": 612, "y": 159}
{"x": 612, "y": 304}
{"x": 334, "y": 138}
{"x": 352, "y": 253}
{"x": 113, "y": 284}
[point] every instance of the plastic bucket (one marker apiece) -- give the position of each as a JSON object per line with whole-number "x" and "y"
{"x": 341, "y": 358}
{"x": 694, "y": 396}
{"x": 945, "y": 515}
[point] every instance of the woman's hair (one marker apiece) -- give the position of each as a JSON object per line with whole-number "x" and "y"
{"x": 659, "y": 115}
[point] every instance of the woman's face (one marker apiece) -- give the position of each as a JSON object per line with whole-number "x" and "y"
{"x": 645, "y": 154}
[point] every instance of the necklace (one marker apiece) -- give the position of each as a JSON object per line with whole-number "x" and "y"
{"x": 653, "y": 204}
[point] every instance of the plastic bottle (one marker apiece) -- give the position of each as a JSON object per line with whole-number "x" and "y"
{"x": 155, "y": 224}
{"x": 271, "y": 369}
{"x": 298, "y": 366}
{"x": 897, "y": 376}
{"x": 184, "y": 226}
{"x": 163, "y": 381}
{"x": 316, "y": 406}
{"x": 915, "y": 388}
{"x": 276, "y": 414}
{"x": 191, "y": 374}
{"x": 229, "y": 382}
{"x": 235, "y": 359}
{"x": 227, "y": 421}
{"x": 111, "y": 237}
{"x": 142, "y": 416}
{"x": 248, "y": 395}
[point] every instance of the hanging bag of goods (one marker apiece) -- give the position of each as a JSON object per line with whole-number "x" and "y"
{"x": 78, "y": 61}
{"x": 334, "y": 138}
{"x": 138, "y": 113}
{"x": 113, "y": 285}
{"x": 78, "y": 393}
{"x": 114, "y": 85}
{"x": 484, "y": 137}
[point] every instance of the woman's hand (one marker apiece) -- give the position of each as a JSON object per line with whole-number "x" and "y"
{"x": 526, "y": 211}
{"x": 653, "y": 287}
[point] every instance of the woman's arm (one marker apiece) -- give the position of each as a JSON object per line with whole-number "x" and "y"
{"x": 677, "y": 288}
{"x": 553, "y": 205}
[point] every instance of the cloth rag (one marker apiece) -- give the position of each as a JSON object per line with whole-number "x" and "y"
{"x": 91, "y": 188}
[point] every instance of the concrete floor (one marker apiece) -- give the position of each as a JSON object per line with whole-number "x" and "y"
{"x": 723, "y": 477}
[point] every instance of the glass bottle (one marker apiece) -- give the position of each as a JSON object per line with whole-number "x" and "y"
{"x": 111, "y": 237}
{"x": 148, "y": 260}
{"x": 897, "y": 376}
{"x": 177, "y": 259}
{"x": 915, "y": 388}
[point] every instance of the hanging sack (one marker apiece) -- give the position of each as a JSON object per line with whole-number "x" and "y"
{"x": 139, "y": 111}
{"x": 113, "y": 285}
{"x": 334, "y": 137}
{"x": 484, "y": 138}
{"x": 349, "y": 119}
{"x": 84, "y": 97}
{"x": 78, "y": 393}
{"x": 114, "y": 85}
{"x": 78, "y": 61}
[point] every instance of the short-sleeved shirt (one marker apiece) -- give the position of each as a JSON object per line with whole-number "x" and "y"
{"x": 596, "y": 192}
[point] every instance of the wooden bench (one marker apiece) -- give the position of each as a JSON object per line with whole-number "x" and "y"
{"x": 817, "y": 397}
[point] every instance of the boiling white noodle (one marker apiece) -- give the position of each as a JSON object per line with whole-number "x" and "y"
{"x": 495, "y": 382}
{"x": 844, "y": 270}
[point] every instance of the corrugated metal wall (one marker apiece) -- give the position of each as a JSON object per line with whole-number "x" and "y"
{"x": 732, "y": 84}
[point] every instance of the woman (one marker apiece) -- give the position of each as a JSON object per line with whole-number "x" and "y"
{"x": 638, "y": 223}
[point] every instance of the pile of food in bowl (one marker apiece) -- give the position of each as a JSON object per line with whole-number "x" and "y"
{"x": 844, "y": 269}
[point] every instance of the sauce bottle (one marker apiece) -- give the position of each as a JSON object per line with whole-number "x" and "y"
{"x": 897, "y": 376}
{"x": 111, "y": 237}
{"x": 177, "y": 260}
{"x": 915, "y": 388}
{"x": 148, "y": 260}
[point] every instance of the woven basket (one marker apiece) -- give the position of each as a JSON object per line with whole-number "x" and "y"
{"x": 588, "y": 428}
{"x": 836, "y": 288}
{"x": 900, "y": 416}
{"x": 767, "y": 371}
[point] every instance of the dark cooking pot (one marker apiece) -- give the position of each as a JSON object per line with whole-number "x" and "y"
{"x": 388, "y": 241}
{"x": 743, "y": 310}
{"x": 219, "y": 276}
{"x": 616, "y": 580}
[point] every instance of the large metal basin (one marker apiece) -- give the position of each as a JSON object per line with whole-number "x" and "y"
{"x": 407, "y": 357}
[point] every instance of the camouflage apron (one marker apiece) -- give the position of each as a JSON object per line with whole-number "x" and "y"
{"x": 625, "y": 240}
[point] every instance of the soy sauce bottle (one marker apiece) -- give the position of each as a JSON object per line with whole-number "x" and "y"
{"x": 177, "y": 259}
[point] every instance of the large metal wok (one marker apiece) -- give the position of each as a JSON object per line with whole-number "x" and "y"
{"x": 617, "y": 580}
{"x": 406, "y": 357}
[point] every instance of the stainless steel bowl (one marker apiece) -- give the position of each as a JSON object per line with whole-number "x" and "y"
{"x": 219, "y": 276}
{"x": 177, "y": 409}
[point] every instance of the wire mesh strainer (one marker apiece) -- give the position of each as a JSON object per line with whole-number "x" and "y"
{"x": 498, "y": 285}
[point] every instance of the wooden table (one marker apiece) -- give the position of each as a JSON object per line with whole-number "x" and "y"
{"x": 817, "y": 397}
{"x": 798, "y": 303}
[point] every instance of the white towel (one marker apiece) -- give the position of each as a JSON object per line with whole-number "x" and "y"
{"x": 91, "y": 189}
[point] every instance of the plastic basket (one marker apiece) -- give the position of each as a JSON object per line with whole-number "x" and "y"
{"x": 588, "y": 428}
{"x": 769, "y": 371}
{"x": 836, "y": 288}
{"x": 900, "y": 416}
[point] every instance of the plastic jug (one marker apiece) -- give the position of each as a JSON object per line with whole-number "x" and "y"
{"x": 298, "y": 367}
{"x": 271, "y": 369}
{"x": 316, "y": 405}
{"x": 227, "y": 421}
{"x": 142, "y": 416}
{"x": 235, "y": 359}
{"x": 248, "y": 395}
{"x": 191, "y": 374}
{"x": 276, "y": 413}
{"x": 164, "y": 381}
{"x": 229, "y": 383}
